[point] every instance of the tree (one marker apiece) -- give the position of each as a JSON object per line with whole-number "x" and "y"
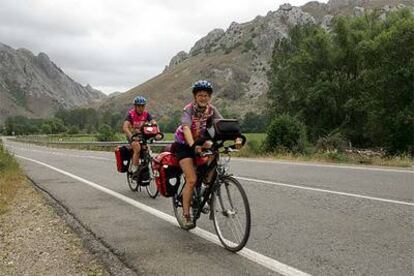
{"x": 357, "y": 80}
{"x": 254, "y": 122}
{"x": 285, "y": 133}
{"x": 20, "y": 125}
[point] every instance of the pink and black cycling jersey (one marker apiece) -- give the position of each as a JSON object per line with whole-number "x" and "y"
{"x": 196, "y": 122}
{"x": 137, "y": 120}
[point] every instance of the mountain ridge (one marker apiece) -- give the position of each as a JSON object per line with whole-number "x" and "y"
{"x": 34, "y": 86}
{"x": 237, "y": 60}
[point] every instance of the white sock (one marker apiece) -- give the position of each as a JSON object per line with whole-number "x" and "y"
{"x": 134, "y": 168}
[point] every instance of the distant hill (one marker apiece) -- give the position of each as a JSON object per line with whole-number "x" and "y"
{"x": 236, "y": 60}
{"x": 34, "y": 86}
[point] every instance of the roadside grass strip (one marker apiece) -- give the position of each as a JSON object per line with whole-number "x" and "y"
{"x": 11, "y": 178}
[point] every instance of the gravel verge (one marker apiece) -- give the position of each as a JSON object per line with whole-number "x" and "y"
{"x": 39, "y": 237}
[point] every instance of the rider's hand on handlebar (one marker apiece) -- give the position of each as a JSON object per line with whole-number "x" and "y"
{"x": 207, "y": 144}
{"x": 238, "y": 143}
{"x": 198, "y": 149}
{"x": 135, "y": 137}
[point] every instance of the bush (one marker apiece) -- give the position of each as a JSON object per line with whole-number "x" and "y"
{"x": 105, "y": 134}
{"x": 73, "y": 130}
{"x": 254, "y": 147}
{"x": 332, "y": 142}
{"x": 285, "y": 133}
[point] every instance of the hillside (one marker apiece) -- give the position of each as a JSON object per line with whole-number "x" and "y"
{"x": 236, "y": 60}
{"x": 34, "y": 86}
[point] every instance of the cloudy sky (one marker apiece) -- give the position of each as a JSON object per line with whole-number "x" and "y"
{"x": 115, "y": 45}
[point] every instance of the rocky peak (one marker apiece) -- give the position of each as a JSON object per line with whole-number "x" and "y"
{"x": 49, "y": 68}
{"x": 206, "y": 42}
{"x": 285, "y": 7}
{"x": 25, "y": 52}
{"x": 177, "y": 59}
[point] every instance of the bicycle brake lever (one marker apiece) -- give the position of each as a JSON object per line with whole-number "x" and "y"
{"x": 206, "y": 153}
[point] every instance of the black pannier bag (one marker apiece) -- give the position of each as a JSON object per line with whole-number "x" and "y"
{"x": 123, "y": 156}
{"x": 225, "y": 129}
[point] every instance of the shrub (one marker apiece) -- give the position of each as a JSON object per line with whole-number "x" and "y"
{"x": 285, "y": 133}
{"x": 332, "y": 142}
{"x": 73, "y": 130}
{"x": 105, "y": 134}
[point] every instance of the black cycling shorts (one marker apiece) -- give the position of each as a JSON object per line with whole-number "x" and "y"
{"x": 183, "y": 151}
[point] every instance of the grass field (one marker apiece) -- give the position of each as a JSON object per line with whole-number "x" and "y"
{"x": 11, "y": 178}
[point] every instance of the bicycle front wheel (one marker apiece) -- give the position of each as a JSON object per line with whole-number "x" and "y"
{"x": 231, "y": 214}
{"x": 152, "y": 189}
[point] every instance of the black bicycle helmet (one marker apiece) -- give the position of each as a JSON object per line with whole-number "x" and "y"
{"x": 202, "y": 85}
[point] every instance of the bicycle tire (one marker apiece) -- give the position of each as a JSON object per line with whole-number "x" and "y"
{"x": 133, "y": 184}
{"x": 152, "y": 189}
{"x": 228, "y": 211}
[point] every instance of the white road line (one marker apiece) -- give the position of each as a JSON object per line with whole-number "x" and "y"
{"x": 364, "y": 168}
{"x": 326, "y": 191}
{"x": 247, "y": 253}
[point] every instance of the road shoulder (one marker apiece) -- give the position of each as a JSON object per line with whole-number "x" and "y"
{"x": 38, "y": 237}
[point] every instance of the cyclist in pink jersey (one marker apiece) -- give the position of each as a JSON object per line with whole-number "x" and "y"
{"x": 134, "y": 120}
{"x": 190, "y": 137}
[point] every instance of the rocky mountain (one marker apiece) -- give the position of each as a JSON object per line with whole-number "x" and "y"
{"x": 237, "y": 60}
{"x": 34, "y": 86}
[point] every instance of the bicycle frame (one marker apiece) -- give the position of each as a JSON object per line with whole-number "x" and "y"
{"x": 223, "y": 194}
{"x": 221, "y": 171}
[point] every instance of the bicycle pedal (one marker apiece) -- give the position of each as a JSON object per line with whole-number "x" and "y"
{"x": 205, "y": 210}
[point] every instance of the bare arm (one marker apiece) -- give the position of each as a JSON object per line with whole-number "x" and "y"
{"x": 188, "y": 135}
{"x": 126, "y": 128}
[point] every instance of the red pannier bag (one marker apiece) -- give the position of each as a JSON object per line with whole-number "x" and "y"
{"x": 123, "y": 156}
{"x": 201, "y": 161}
{"x": 167, "y": 173}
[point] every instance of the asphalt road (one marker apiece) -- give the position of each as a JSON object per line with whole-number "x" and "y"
{"x": 306, "y": 218}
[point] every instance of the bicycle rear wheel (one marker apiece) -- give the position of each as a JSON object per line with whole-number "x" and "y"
{"x": 132, "y": 183}
{"x": 231, "y": 214}
{"x": 152, "y": 189}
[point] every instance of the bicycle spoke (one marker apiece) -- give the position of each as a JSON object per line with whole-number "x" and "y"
{"x": 228, "y": 193}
